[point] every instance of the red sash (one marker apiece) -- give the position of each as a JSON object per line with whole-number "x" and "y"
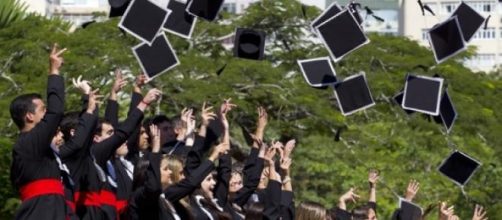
{"x": 41, "y": 187}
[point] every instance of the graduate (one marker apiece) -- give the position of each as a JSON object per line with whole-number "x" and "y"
{"x": 34, "y": 169}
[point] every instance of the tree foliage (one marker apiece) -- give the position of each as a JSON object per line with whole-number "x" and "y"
{"x": 401, "y": 146}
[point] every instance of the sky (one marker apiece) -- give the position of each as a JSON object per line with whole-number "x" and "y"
{"x": 319, "y": 3}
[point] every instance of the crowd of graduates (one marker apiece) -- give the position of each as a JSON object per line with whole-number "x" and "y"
{"x": 77, "y": 165}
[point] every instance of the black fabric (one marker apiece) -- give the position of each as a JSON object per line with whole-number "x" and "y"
{"x": 33, "y": 158}
{"x": 333, "y": 10}
{"x": 144, "y": 19}
{"x": 353, "y": 94}
{"x": 342, "y": 34}
{"x": 470, "y": 20}
{"x": 318, "y": 72}
{"x": 204, "y": 9}
{"x": 459, "y": 167}
{"x": 446, "y": 39}
{"x": 179, "y": 20}
{"x": 157, "y": 58}
{"x": 422, "y": 93}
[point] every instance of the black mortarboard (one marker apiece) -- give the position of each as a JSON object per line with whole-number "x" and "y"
{"x": 353, "y": 94}
{"x": 205, "y": 9}
{"x": 469, "y": 20}
{"x": 399, "y": 100}
{"x": 331, "y": 11}
{"x": 118, "y": 7}
{"x": 157, "y": 58}
{"x": 249, "y": 44}
{"x": 422, "y": 94}
{"x": 318, "y": 72}
{"x": 342, "y": 34}
{"x": 409, "y": 210}
{"x": 459, "y": 167}
{"x": 143, "y": 19}
{"x": 447, "y": 113}
{"x": 179, "y": 21}
{"x": 446, "y": 39}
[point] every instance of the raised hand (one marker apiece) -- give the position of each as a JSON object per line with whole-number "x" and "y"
{"x": 289, "y": 147}
{"x": 445, "y": 212}
{"x": 139, "y": 82}
{"x": 373, "y": 177}
{"x": 412, "y": 190}
{"x": 348, "y": 196}
{"x": 219, "y": 150}
{"x": 55, "y": 60}
{"x": 285, "y": 164}
{"x": 262, "y": 121}
{"x": 155, "y": 139}
{"x": 207, "y": 114}
{"x": 224, "y": 109}
{"x": 151, "y": 96}
{"x": 118, "y": 84}
{"x": 82, "y": 85}
{"x": 479, "y": 213}
{"x": 94, "y": 100}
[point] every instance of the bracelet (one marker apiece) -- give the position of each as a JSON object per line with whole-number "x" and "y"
{"x": 145, "y": 102}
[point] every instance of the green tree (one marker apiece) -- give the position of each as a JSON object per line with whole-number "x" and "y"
{"x": 382, "y": 137}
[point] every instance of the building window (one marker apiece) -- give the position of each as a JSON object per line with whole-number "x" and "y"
{"x": 229, "y": 7}
{"x": 488, "y": 33}
{"x": 425, "y": 34}
{"x": 448, "y": 7}
{"x": 482, "y": 7}
{"x": 482, "y": 60}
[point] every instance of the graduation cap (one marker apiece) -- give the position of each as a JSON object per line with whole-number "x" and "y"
{"x": 422, "y": 94}
{"x": 447, "y": 113}
{"x": 318, "y": 72}
{"x": 353, "y": 94}
{"x": 459, "y": 167}
{"x": 118, "y": 7}
{"x": 342, "y": 34}
{"x": 143, "y": 19}
{"x": 157, "y": 58}
{"x": 179, "y": 22}
{"x": 205, "y": 9}
{"x": 469, "y": 19}
{"x": 446, "y": 39}
{"x": 249, "y": 44}
{"x": 399, "y": 100}
{"x": 331, "y": 11}
{"x": 409, "y": 210}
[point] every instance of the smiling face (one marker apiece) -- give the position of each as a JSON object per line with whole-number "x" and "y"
{"x": 235, "y": 182}
{"x": 207, "y": 185}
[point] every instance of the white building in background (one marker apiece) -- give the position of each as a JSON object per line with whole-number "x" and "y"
{"x": 236, "y": 6}
{"x": 385, "y": 9}
{"x": 36, "y": 6}
{"x": 75, "y": 11}
{"x": 487, "y": 41}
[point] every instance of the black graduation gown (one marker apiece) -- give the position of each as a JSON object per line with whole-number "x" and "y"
{"x": 81, "y": 138}
{"x": 93, "y": 199}
{"x": 287, "y": 205}
{"x": 145, "y": 202}
{"x": 33, "y": 161}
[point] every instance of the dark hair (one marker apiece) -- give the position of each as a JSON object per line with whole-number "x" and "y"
{"x": 156, "y": 120}
{"x": 207, "y": 203}
{"x": 21, "y": 105}
{"x": 255, "y": 211}
{"x": 309, "y": 210}
{"x": 68, "y": 123}
{"x": 99, "y": 126}
{"x": 176, "y": 122}
{"x": 139, "y": 174}
{"x": 361, "y": 212}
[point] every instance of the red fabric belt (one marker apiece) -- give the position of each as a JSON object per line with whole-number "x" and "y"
{"x": 41, "y": 187}
{"x": 103, "y": 197}
{"x": 71, "y": 204}
{"x": 121, "y": 205}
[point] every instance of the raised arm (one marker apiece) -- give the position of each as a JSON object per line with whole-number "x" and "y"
{"x": 193, "y": 180}
{"x": 225, "y": 164}
{"x": 103, "y": 150}
{"x": 83, "y": 131}
{"x": 44, "y": 131}
{"x": 273, "y": 200}
{"x": 112, "y": 107}
{"x": 373, "y": 179}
